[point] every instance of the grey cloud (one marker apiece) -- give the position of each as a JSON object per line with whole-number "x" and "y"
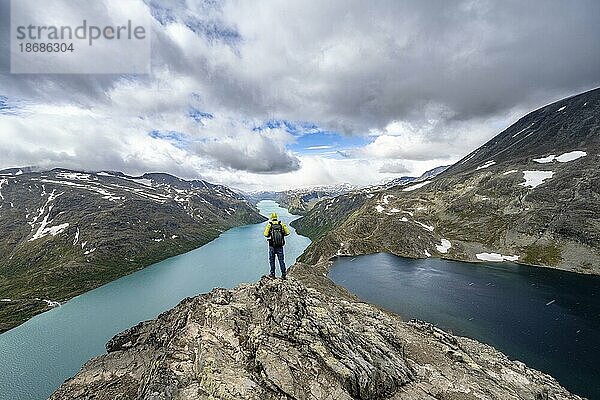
{"x": 254, "y": 153}
{"x": 394, "y": 168}
{"x": 85, "y": 90}
{"x": 349, "y": 66}
{"x": 88, "y": 157}
{"x": 353, "y": 66}
{"x": 475, "y": 59}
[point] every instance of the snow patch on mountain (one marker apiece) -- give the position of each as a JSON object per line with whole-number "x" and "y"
{"x": 386, "y": 199}
{"x": 141, "y": 181}
{"x": 571, "y": 156}
{"x": 563, "y": 158}
{"x": 76, "y": 240}
{"x": 444, "y": 246}
{"x": 523, "y": 130}
{"x": 535, "y": 178}
{"x": 45, "y": 230}
{"x": 545, "y": 160}
{"x": 51, "y": 303}
{"x": 91, "y": 187}
{"x": 73, "y": 176}
{"x": 495, "y": 257}
{"x": 469, "y": 157}
{"x": 415, "y": 187}
{"x": 487, "y": 164}
{"x": 425, "y": 226}
{"x": 3, "y": 182}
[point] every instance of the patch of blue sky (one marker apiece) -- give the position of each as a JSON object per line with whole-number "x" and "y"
{"x": 198, "y": 115}
{"x": 276, "y": 124}
{"x": 164, "y": 15}
{"x": 213, "y": 31}
{"x": 210, "y": 29}
{"x": 331, "y": 144}
{"x": 296, "y": 128}
{"x": 178, "y": 139}
{"x": 7, "y": 107}
{"x": 311, "y": 139}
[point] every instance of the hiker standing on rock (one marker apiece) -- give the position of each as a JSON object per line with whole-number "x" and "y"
{"x": 275, "y": 232}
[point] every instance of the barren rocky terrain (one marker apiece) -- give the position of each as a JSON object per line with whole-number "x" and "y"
{"x": 303, "y": 338}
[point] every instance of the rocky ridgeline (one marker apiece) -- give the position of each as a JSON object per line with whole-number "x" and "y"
{"x": 298, "y": 339}
{"x": 531, "y": 195}
{"x": 65, "y": 232}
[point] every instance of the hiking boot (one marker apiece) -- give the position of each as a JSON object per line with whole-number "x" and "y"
{"x": 272, "y": 276}
{"x": 283, "y": 277}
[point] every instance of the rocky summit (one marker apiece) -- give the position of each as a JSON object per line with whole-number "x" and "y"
{"x": 303, "y": 338}
{"x": 530, "y": 195}
{"x": 65, "y": 232}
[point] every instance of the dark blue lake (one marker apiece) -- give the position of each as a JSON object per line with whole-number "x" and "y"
{"x": 547, "y": 318}
{"x": 36, "y": 357}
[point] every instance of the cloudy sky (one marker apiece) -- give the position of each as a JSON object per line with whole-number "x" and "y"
{"x": 279, "y": 94}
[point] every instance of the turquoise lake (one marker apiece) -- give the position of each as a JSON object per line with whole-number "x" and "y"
{"x": 547, "y": 318}
{"x": 36, "y": 357}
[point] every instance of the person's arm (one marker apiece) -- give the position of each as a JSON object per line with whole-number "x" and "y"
{"x": 286, "y": 230}
{"x": 267, "y": 230}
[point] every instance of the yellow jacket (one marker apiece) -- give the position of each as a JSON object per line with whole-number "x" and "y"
{"x": 267, "y": 232}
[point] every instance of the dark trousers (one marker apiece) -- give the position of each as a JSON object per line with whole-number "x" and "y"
{"x": 279, "y": 252}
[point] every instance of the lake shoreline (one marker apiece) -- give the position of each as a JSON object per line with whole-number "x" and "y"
{"x": 467, "y": 323}
{"x": 68, "y": 336}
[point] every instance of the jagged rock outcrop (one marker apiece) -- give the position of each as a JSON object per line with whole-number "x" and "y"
{"x": 304, "y": 338}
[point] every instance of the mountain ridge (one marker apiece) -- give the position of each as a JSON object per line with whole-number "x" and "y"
{"x": 65, "y": 232}
{"x": 531, "y": 194}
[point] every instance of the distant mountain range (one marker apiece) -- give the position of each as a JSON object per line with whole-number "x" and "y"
{"x": 530, "y": 195}
{"x": 301, "y": 201}
{"x": 65, "y": 232}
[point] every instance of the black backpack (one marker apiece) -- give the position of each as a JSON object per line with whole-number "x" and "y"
{"x": 277, "y": 234}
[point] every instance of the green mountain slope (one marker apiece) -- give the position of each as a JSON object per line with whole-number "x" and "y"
{"x": 66, "y": 232}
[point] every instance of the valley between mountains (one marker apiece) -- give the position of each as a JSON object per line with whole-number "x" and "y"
{"x": 530, "y": 195}
{"x": 66, "y": 232}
